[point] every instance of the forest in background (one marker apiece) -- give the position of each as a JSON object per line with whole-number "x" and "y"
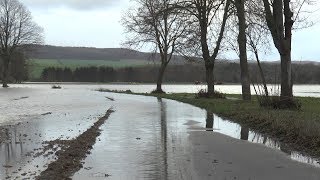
{"x": 225, "y": 72}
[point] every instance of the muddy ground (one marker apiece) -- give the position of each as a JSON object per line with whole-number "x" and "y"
{"x": 72, "y": 152}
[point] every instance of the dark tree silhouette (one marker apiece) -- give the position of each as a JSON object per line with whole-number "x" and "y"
{"x": 242, "y": 41}
{"x": 157, "y": 23}
{"x": 206, "y": 13}
{"x": 280, "y": 20}
{"x": 16, "y": 29}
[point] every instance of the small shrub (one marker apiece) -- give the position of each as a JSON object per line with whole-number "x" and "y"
{"x": 275, "y": 102}
{"x": 104, "y": 90}
{"x": 203, "y": 93}
{"x": 158, "y": 92}
{"x": 114, "y": 91}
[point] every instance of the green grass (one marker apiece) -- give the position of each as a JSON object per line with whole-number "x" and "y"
{"x": 36, "y": 66}
{"x": 300, "y": 129}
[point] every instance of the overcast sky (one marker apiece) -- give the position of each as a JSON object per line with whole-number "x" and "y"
{"x": 96, "y": 23}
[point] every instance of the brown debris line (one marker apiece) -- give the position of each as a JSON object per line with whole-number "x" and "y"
{"x": 111, "y": 99}
{"x": 24, "y": 97}
{"x": 69, "y": 159}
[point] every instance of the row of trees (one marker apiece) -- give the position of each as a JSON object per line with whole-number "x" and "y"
{"x": 18, "y": 69}
{"x": 203, "y": 28}
{"x": 17, "y": 29}
{"x": 83, "y": 74}
{"x": 224, "y": 73}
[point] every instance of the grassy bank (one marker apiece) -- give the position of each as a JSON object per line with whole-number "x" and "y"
{"x": 298, "y": 129}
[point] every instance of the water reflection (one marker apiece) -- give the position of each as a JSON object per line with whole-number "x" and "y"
{"x": 209, "y": 121}
{"x": 232, "y": 129}
{"x": 285, "y": 148}
{"x": 11, "y": 148}
{"x": 244, "y": 134}
{"x": 164, "y": 136}
{"x": 150, "y": 138}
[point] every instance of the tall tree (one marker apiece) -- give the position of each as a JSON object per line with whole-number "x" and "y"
{"x": 280, "y": 21}
{"x": 156, "y": 23}
{"x": 207, "y": 13}
{"x": 242, "y": 42}
{"x": 16, "y": 29}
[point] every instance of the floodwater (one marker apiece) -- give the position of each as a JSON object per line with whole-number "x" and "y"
{"x": 31, "y": 115}
{"x": 145, "y": 138}
{"x": 298, "y": 90}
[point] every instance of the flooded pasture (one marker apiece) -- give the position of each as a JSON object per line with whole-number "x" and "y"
{"x": 145, "y": 138}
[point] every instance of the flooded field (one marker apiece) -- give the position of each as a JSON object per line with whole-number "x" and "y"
{"x": 145, "y": 137}
{"x": 298, "y": 90}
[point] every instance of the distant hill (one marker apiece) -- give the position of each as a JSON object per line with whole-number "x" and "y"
{"x": 145, "y": 65}
{"x": 112, "y": 54}
{"x": 88, "y": 53}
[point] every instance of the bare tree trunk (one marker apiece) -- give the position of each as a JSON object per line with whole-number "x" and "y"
{"x": 286, "y": 81}
{"x": 5, "y": 73}
{"x": 286, "y": 71}
{"x": 280, "y": 24}
{"x": 209, "y": 121}
{"x": 264, "y": 82}
{"x": 244, "y": 133}
{"x": 160, "y": 77}
{"x": 210, "y": 79}
{"x": 242, "y": 40}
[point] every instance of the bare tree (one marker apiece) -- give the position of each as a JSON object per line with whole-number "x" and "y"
{"x": 207, "y": 15}
{"x": 281, "y": 15}
{"x": 242, "y": 42}
{"x": 16, "y": 30}
{"x": 157, "y": 23}
{"x": 258, "y": 36}
{"x": 258, "y": 41}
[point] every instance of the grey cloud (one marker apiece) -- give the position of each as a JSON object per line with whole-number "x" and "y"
{"x": 74, "y": 4}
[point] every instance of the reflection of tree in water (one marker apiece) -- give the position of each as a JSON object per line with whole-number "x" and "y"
{"x": 11, "y": 146}
{"x": 209, "y": 121}
{"x": 244, "y": 134}
{"x": 284, "y": 148}
{"x": 272, "y": 143}
{"x": 164, "y": 139}
{"x": 263, "y": 139}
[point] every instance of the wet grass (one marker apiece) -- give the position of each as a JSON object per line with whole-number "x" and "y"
{"x": 300, "y": 129}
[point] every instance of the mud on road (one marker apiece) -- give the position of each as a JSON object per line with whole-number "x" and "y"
{"x": 72, "y": 152}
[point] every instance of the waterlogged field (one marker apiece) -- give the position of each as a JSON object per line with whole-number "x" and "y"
{"x": 145, "y": 138}
{"x": 36, "y": 66}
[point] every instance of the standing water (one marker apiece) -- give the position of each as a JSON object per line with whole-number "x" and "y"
{"x": 146, "y": 137}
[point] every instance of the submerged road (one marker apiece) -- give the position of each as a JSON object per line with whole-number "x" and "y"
{"x": 145, "y": 138}
{"x": 150, "y": 138}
